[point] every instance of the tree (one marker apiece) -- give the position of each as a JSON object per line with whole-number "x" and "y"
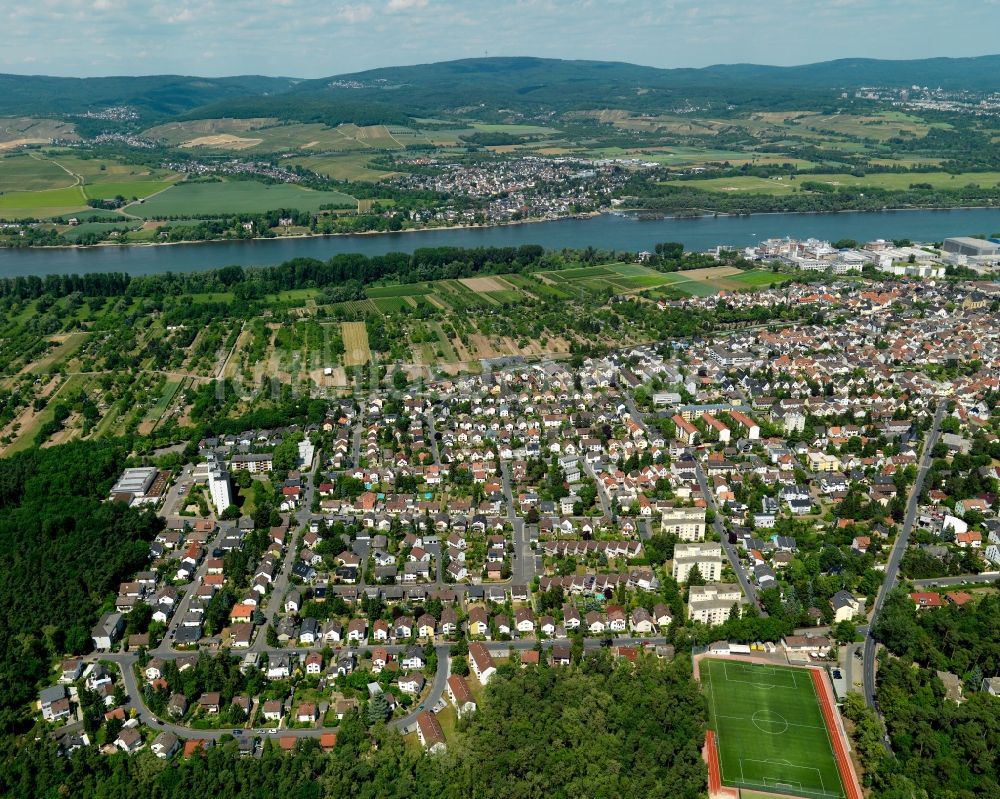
{"x": 460, "y": 666}
{"x": 378, "y": 709}
{"x": 845, "y": 632}
{"x": 694, "y": 576}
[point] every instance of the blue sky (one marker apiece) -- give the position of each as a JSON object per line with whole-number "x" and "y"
{"x": 316, "y": 38}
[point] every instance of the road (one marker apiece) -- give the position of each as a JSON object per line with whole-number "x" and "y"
{"x": 126, "y": 662}
{"x": 436, "y": 692}
{"x": 986, "y": 578}
{"x": 728, "y": 548}
{"x": 522, "y": 569}
{"x": 898, "y": 550}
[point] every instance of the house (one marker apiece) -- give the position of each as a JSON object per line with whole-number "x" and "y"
{"x": 164, "y": 745}
{"x": 54, "y": 703}
{"x": 478, "y": 621}
{"x": 481, "y": 662}
{"x": 129, "y": 740}
{"x": 595, "y": 624}
{"x": 273, "y": 710}
{"x": 71, "y": 670}
{"x": 314, "y": 663}
{"x": 107, "y": 631}
{"x": 661, "y": 615}
{"x": 209, "y": 702}
{"x": 641, "y": 621}
{"x": 357, "y": 630}
{"x": 846, "y": 606}
{"x": 524, "y": 620}
{"x": 460, "y": 695}
{"x": 924, "y": 600}
{"x": 430, "y": 733}
{"x": 412, "y": 684}
{"x": 278, "y": 667}
{"x": 307, "y": 713}
{"x": 177, "y": 705}
{"x": 412, "y": 658}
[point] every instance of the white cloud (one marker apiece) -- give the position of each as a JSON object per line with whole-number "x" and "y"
{"x": 396, "y": 6}
{"x": 355, "y": 14}
{"x": 103, "y": 5}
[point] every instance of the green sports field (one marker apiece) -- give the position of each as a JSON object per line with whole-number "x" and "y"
{"x": 770, "y": 729}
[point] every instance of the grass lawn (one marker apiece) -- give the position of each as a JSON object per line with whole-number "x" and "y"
{"x": 167, "y": 395}
{"x": 770, "y": 729}
{"x": 235, "y": 197}
{"x": 757, "y": 277}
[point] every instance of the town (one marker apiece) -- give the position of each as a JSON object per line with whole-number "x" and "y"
{"x": 746, "y": 493}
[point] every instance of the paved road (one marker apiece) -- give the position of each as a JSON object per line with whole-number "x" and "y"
{"x": 522, "y": 567}
{"x": 729, "y": 549}
{"x": 962, "y": 579}
{"x": 126, "y": 661}
{"x": 898, "y": 550}
{"x": 436, "y": 692}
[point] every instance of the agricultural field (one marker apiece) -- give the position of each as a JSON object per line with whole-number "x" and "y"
{"x": 235, "y": 197}
{"x": 349, "y": 166}
{"x": 52, "y": 183}
{"x": 356, "y": 351}
{"x": 893, "y": 181}
{"x": 770, "y": 729}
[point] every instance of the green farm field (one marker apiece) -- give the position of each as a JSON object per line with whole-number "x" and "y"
{"x": 892, "y": 181}
{"x": 770, "y": 729}
{"x": 235, "y": 197}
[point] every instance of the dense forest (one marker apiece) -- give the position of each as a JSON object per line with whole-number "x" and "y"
{"x": 603, "y": 729}
{"x": 64, "y": 551}
{"x": 940, "y": 748}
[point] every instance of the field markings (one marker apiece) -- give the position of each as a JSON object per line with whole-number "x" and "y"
{"x": 783, "y": 783}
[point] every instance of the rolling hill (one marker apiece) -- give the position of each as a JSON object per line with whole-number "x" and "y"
{"x": 486, "y": 85}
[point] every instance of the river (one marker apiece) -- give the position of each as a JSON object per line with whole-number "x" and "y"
{"x": 607, "y": 232}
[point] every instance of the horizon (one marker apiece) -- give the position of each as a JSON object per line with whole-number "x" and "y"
{"x": 995, "y": 54}
{"x": 309, "y": 39}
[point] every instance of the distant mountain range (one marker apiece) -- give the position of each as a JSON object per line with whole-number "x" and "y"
{"x": 526, "y": 85}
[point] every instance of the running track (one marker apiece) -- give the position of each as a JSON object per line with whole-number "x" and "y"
{"x": 843, "y": 761}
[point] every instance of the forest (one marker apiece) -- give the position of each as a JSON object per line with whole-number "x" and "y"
{"x": 64, "y": 552}
{"x": 940, "y": 748}
{"x": 604, "y": 729}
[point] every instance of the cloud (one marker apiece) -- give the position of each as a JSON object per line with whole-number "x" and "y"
{"x": 396, "y": 6}
{"x": 103, "y": 5}
{"x": 355, "y": 14}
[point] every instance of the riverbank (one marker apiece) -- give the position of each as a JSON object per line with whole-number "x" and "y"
{"x": 609, "y": 231}
{"x": 118, "y": 244}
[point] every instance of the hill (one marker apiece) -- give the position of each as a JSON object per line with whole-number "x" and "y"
{"x": 390, "y": 95}
{"x": 150, "y": 95}
{"x": 534, "y": 85}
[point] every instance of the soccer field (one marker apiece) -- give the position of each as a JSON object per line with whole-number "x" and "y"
{"x": 770, "y": 729}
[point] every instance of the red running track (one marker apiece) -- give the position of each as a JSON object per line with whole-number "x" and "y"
{"x": 712, "y": 756}
{"x": 843, "y": 761}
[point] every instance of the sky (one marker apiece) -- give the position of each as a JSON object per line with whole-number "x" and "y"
{"x": 318, "y": 38}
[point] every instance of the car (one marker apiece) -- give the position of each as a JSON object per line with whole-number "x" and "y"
{"x": 160, "y": 722}
{"x": 273, "y": 731}
{"x": 421, "y": 707}
{"x": 237, "y": 732}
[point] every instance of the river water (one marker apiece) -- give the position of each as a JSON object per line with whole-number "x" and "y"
{"x": 607, "y": 232}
